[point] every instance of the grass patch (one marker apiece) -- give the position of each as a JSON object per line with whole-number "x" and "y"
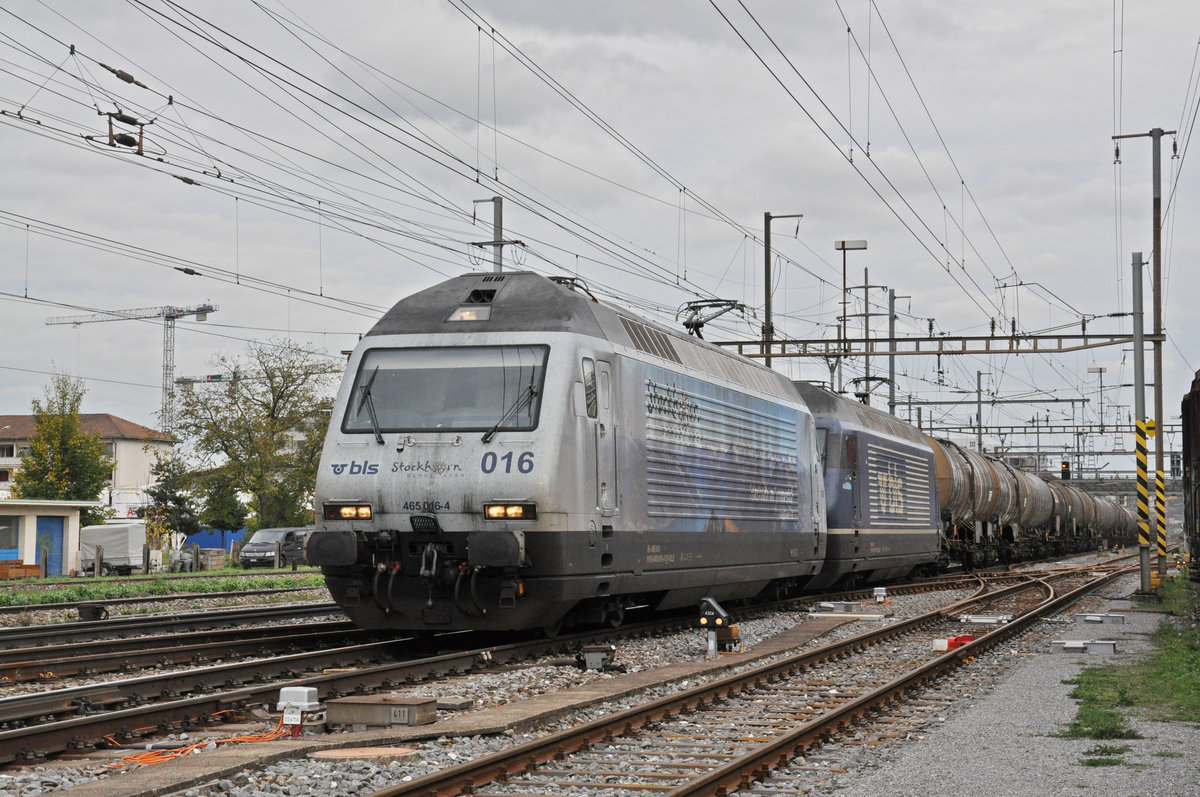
{"x": 107, "y": 589}
{"x": 1108, "y": 750}
{"x": 1164, "y": 685}
{"x": 1101, "y": 762}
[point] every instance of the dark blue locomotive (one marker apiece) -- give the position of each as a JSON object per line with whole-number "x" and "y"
{"x": 506, "y": 452}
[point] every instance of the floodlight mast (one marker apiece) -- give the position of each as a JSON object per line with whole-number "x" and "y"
{"x": 169, "y": 315}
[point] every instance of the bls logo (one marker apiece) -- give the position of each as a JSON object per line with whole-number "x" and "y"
{"x": 356, "y": 468}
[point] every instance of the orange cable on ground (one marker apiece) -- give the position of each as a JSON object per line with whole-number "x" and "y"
{"x": 150, "y": 757}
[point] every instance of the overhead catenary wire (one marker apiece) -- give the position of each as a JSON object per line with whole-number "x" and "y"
{"x": 548, "y": 255}
{"x": 177, "y": 105}
{"x": 874, "y": 188}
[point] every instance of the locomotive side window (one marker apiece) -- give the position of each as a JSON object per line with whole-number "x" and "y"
{"x": 589, "y": 386}
{"x": 448, "y": 389}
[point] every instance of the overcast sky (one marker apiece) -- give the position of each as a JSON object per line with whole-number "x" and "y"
{"x": 334, "y": 153}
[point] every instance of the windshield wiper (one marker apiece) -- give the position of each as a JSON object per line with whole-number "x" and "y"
{"x": 366, "y": 399}
{"x": 525, "y": 397}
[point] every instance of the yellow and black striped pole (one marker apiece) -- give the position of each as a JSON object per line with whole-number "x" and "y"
{"x": 1143, "y": 506}
{"x": 1160, "y": 510}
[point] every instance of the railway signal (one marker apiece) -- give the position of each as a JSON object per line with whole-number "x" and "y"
{"x": 712, "y": 617}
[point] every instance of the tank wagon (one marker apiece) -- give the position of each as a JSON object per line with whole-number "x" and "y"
{"x": 992, "y": 512}
{"x": 507, "y": 452}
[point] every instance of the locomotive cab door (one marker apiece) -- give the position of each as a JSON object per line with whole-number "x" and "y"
{"x": 596, "y": 403}
{"x": 606, "y": 441}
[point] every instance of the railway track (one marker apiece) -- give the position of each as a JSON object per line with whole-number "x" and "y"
{"x": 723, "y": 736}
{"x": 49, "y": 663}
{"x": 178, "y": 622}
{"x": 80, "y": 718}
{"x": 40, "y": 725}
{"x": 89, "y": 606}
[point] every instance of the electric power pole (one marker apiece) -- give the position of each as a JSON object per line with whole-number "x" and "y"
{"x": 768, "y": 323}
{"x": 497, "y": 243}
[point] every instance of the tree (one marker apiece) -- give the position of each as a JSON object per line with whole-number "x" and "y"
{"x": 174, "y": 509}
{"x": 64, "y": 463}
{"x": 223, "y": 508}
{"x": 263, "y": 426}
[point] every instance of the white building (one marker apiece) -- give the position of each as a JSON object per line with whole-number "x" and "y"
{"x": 133, "y": 447}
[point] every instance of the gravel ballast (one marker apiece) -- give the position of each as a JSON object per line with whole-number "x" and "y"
{"x": 997, "y": 740}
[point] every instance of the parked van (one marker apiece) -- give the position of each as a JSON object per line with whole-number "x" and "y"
{"x": 260, "y": 549}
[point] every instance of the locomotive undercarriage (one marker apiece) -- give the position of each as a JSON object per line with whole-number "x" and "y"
{"x": 432, "y": 576}
{"x": 490, "y": 580}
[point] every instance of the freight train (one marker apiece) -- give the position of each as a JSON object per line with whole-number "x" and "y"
{"x": 507, "y": 452}
{"x": 1190, "y": 407}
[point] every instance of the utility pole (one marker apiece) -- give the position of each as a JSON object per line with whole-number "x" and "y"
{"x": 1101, "y": 371}
{"x": 843, "y": 247}
{"x": 497, "y": 243}
{"x": 1139, "y": 410}
{"x": 979, "y": 410}
{"x": 866, "y": 379}
{"x": 892, "y": 345}
{"x": 169, "y": 315}
{"x": 768, "y": 323}
{"x": 1156, "y": 160}
{"x": 891, "y": 357}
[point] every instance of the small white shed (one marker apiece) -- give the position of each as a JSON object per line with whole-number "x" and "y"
{"x": 30, "y": 525}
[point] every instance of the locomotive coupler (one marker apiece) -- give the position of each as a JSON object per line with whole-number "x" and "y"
{"x": 428, "y": 568}
{"x": 429, "y": 561}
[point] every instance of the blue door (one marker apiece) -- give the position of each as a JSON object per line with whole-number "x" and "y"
{"x": 50, "y": 535}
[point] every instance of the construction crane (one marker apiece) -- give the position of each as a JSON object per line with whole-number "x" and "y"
{"x": 169, "y": 315}
{"x": 186, "y": 383}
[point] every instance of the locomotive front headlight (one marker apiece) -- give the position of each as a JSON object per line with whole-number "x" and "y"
{"x": 347, "y": 511}
{"x": 476, "y": 313}
{"x": 524, "y": 511}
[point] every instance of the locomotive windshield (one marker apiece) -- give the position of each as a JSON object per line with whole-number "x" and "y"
{"x": 461, "y": 388}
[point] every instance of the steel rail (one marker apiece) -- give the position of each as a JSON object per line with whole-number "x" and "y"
{"x": 64, "y": 633}
{"x": 758, "y": 763}
{"x": 127, "y": 724}
{"x": 60, "y": 661}
{"x": 488, "y": 769}
{"x": 85, "y": 732}
{"x": 138, "y": 599}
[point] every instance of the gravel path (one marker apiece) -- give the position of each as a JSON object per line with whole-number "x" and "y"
{"x": 1003, "y": 744}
